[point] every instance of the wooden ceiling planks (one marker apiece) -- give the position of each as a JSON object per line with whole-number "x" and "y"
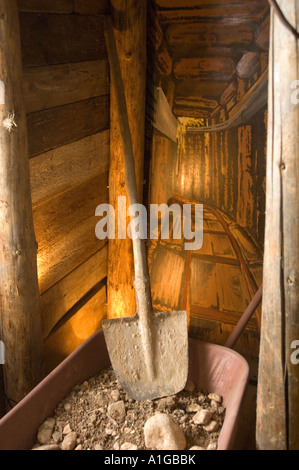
{"x": 217, "y": 68}
{"x": 227, "y": 14}
{"x": 213, "y": 43}
{"x": 209, "y": 34}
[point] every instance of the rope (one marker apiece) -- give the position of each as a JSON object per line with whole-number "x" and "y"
{"x": 281, "y": 15}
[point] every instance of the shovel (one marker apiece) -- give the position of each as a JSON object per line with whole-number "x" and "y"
{"x": 148, "y": 352}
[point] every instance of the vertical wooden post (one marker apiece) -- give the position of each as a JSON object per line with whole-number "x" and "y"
{"x": 278, "y": 381}
{"x": 20, "y": 322}
{"x": 129, "y": 21}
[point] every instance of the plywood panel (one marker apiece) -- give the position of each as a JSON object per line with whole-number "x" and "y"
{"x": 58, "y": 170}
{"x": 57, "y": 85}
{"x": 60, "y": 126}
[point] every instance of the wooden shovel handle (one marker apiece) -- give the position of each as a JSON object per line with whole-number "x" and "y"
{"x": 142, "y": 285}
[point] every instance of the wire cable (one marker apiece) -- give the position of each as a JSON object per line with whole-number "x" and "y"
{"x": 281, "y": 15}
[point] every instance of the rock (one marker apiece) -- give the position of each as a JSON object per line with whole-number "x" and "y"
{"x": 212, "y": 446}
{"x": 213, "y": 406}
{"x": 66, "y": 429}
{"x": 212, "y": 426}
{"x": 128, "y": 446}
{"x": 45, "y": 431}
{"x": 189, "y": 387}
{"x": 167, "y": 404}
{"x": 70, "y": 441}
{"x": 202, "y": 417}
{"x": 201, "y": 398}
{"x": 117, "y": 410}
{"x": 116, "y": 446}
{"x": 98, "y": 447}
{"x": 115, "y": 395}
{"x": 79, "y": 447}
{"x": 161, "y": 432}
{"x": 48, "y": 447}
{"x": 57, "y": 436}
{"x": 197, "y": 448}
{"x": 67, "y": 407}
{"x": 193, "y": 408}
{"x": 215, "y": 397}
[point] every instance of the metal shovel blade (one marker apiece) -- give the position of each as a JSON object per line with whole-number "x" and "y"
{"x": 169, "y": 340}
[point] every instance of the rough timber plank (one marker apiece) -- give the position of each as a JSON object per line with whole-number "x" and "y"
{"x": 49, "y": 39}
{"x": 242, "y": 13}
{"x": 85, "y": 7}
{"x": 57, "y": 85}
{"x": 58, "y": 260}
{"x": 208, "y": 34}
{"x": 65, "y": 230}
{"x": 55, "y": 218}
{"x": 60, "y": 298}
{"x": 55, "y": 127}
{"x": 74, "y": 331}
{"x": 58, "y": 170}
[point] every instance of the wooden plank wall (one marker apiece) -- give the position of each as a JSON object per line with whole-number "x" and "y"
{"x": 66, "y": 86}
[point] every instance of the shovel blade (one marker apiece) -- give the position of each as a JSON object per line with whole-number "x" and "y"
{"x": 169, "y": 338}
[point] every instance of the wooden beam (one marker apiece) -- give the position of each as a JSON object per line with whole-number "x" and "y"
{"x": 278, "y": 405}
{"x": 20, "y": 319}
{"x": 207, "y": 89}
{"x": 129, "y": 21}
{"x": 208, "y": 34}
{"x": 183, "y": 4}
{"x": 215, "y": 68}
{"x": 246, "y": 108}
{"x": 239, "y": 13}
{"x": 248, "y": 65}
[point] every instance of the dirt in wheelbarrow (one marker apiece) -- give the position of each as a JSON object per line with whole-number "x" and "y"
{"x": 99, "y": 415}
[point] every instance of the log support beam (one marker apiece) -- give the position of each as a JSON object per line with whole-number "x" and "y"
{"x": 278, "y": 380}
{"x": 129, "y": 21}
{"x": 20, "y": 321}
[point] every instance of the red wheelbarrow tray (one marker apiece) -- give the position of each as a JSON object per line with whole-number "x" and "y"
{"x": 214, "y": 368}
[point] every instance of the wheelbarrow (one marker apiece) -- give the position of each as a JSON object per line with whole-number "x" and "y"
{"x": 215, "y": 368}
